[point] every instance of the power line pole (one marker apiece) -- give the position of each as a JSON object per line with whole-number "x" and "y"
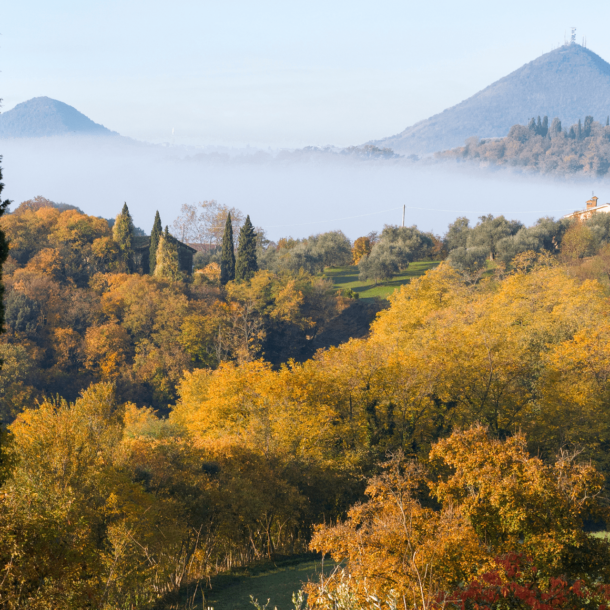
{"x": 403, "y": 215}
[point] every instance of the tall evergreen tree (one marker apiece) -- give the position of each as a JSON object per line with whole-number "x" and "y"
{"x": 227, "y": 256}
{"x": 168, "y": 264}
{"x": 247, "y": 264}
{"x": 588, "y": 126}
{"x": 123, "y": 233}
{"x": 155, "y": 236}
{"x": 608, "y": 121}
{"x": 555, "y": 128}
{"x": 579, "y": 131}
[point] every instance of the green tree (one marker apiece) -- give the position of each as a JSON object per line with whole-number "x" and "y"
{"x": 579, "y": 130}
{"x": 489, "y": 231}
{"x": 247, "y": 264}
{"x": 457, "y": 234}
{"x": 155, "y": 236}
{"x": 168, "y": 265}
{"x": 587, "y": 127}
{"x": 227, "y": 257}
{"x": 123, "y": 233}
{"x": 555, "y": 129}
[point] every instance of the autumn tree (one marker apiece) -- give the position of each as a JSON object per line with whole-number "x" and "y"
{"x": 123, "y": 232}
{"x": 167, "y": 263}
{"x": 362, "y": 247}
{"x": 246, "y": 265}
{"x": 204, "y": 222}
{"x": 495, "y": 500}
{"x": 227, "y": 260}
{"x": 155, "y": 236}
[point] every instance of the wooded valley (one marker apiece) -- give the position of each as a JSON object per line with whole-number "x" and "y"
{"x": 164, "y": 426}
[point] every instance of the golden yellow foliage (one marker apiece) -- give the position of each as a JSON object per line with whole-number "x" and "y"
{"x": 212, "y": 272}
{"x": 362, "y": 247}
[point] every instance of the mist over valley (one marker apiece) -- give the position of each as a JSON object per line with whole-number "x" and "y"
{"x": 285, "y": 195}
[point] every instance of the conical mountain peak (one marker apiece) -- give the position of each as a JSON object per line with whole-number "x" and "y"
{"x": 43, "y": 116}
{"x": 569, "y": 82}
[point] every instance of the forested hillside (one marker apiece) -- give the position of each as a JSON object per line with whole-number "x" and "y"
{"x": 583, "y": 148}
{"x": 167, "y": 427}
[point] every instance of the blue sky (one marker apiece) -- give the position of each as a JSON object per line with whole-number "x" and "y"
{"x": 271, "y": 73}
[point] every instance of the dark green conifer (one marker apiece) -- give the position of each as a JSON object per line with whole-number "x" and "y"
{"x": 227, "y": 256}
{"x": 608, "y": 121}
{"x": 123, "y": 233}
{"x": 247, "y": 264}
{"x": 579, "y": 131}
{"x": 588, "y": 126}
{"x": 155, "y": 235}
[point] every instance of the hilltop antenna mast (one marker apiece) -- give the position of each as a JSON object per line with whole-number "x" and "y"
{"x": 573, "y": 37}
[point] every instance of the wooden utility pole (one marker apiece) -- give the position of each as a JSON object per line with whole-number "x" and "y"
{"x": 403, "y": 215}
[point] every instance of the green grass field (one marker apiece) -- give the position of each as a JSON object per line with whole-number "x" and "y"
{"x": 347, "y": 277}
{"x": 276, "y": 585}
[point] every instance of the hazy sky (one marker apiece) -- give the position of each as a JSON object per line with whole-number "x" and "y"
{"x": 270, "y": 73}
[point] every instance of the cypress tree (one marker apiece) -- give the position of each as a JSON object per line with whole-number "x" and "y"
{"x": 607, "y": 121}
{"x": 168, "y": 264}
{"x": 247, "y": 265}
{"x": 579, "y": 131}
{"x": 588, "y": 126}
{"x": 155, "y": 236}
{"x": 123, "y": 233}
{"x": 227, "y": 256}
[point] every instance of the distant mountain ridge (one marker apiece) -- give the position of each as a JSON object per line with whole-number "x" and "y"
{"x": 43, "y": 116}
{"x": 569, "y": 82}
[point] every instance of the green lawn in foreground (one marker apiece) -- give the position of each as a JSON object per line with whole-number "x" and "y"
{"x": 347, "y": 277}
{"x": 276, "y": 585}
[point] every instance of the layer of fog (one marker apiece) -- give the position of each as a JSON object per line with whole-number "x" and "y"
{"x": 286, "y": 194}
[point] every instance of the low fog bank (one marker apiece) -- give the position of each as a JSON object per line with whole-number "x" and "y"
{"x": 286, "y": 193}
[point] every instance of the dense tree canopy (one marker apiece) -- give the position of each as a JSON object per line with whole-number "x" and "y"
{"x": 167, "y": 428}
{"x": 581, "y": 149}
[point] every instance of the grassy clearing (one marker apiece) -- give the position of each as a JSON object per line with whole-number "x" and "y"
{"x": 277, "y": 585}
{"x": 347, "y": 277}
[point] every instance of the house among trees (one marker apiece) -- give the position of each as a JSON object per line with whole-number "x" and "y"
{"x": 591, "y": 209}
{"x": 141, "y": 249}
